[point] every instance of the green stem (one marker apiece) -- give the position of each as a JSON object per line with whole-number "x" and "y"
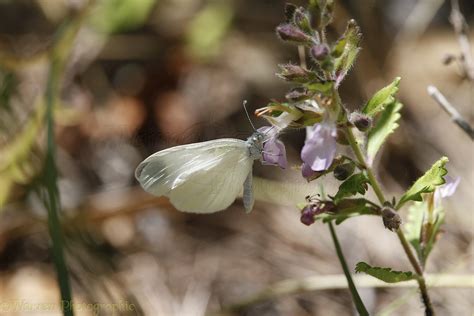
{"x": 406, "y": 247}
{"x": 53, "y": 204}
{"x": 355, "y": 295}
{"x": 62, "y": 44}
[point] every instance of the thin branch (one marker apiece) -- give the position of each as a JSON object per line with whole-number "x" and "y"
{"x": 461, "y": 28}
{"x": 332, "y": 282}
{"x": 451, "y": 110}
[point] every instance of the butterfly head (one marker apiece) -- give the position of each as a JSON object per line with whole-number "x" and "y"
{"x": 255, "y": 144}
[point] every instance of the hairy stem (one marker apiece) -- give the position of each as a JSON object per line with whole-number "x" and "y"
{"x": 406, "y": 247}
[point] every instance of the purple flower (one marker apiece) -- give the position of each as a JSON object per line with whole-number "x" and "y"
{"x": 319, "y": 148}
{"x": 274, "y": 152}
{"x": 306, "y": 170}
{"x": 446, "y": 190}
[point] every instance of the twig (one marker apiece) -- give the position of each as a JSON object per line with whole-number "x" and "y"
{"x": 418, "y": 20}
{"x": 461, "y": 28}
{"x": 332, "y": 282}
{"x": 451, "y": 110}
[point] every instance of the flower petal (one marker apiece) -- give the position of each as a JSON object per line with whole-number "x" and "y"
{"x": 319, "y": 149}
{"x": 306, "y": 170}
{"x": 284, "y": 119}
{"x": 274, "y": 152}
{"x": 449, "y": 187}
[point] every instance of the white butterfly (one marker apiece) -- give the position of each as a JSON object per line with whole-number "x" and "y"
{"x": 203, "y": 177}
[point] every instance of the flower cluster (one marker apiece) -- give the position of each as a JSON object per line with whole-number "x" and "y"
{"x": 313, "y": 103}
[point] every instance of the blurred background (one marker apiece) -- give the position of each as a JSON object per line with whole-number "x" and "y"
{"x": 144, "y": 75}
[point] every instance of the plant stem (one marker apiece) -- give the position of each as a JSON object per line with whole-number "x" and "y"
{"x": 62, "y": 45}
{"x": 355, "y": 295}
{"x": 406, "y": 247}
{"x": 53, "y": 205}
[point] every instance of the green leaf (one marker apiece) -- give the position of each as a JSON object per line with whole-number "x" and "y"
{"x": 385, "y": 274}
{"x": 413, "y": 226}
{"x": 357, "y": 183}
{"x": 381, "y": 98}
{"x": 427, "y": 183}
{"x": 348, "y": 208}
{"x": 346, "y": 50}
{"x": 384, "y": 126}
{"x": 324, "y": 87}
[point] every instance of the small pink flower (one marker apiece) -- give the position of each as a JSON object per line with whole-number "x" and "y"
{"x": 319, "y": 148}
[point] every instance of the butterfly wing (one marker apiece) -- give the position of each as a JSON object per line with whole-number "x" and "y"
{"x": 200, "y": 178}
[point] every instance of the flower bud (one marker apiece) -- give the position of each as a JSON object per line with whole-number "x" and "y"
{"x": 319, "y": 51}
{"x": 341, "y": 137}
{"x": 391, "y": 219}
{"x": 361, "y": 121}
{"x": 301, "y": 18}
{"x": 344, "y": 171}
{"x": 289, "y": 32}
{"x": 308, "y": 214}
{"x": 298, "y": 94}
{"x": 290, "y": 11}
{"x": 291, "y": 72}
{"x": 311, "y": 210}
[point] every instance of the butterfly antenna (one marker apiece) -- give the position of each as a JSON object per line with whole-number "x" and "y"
{"x": 248, "y": 116}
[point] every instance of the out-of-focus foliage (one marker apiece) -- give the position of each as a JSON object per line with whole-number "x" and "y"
{"x": 112, "y": 16}
{"x": 207, "y": 29}
{"x": 19, "y": 160}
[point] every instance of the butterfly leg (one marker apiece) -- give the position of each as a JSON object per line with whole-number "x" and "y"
{"x": 248, "y": 193}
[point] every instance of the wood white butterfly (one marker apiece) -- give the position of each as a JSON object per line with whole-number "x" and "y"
{"x": 203, "y": 177}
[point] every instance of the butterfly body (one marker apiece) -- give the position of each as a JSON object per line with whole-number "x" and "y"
{"x": 203, "y": 177}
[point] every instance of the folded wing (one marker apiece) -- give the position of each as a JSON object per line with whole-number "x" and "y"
{"x": 200, "y": 178}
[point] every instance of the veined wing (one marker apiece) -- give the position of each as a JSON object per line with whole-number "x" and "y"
{"x": 201, "y": 178}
